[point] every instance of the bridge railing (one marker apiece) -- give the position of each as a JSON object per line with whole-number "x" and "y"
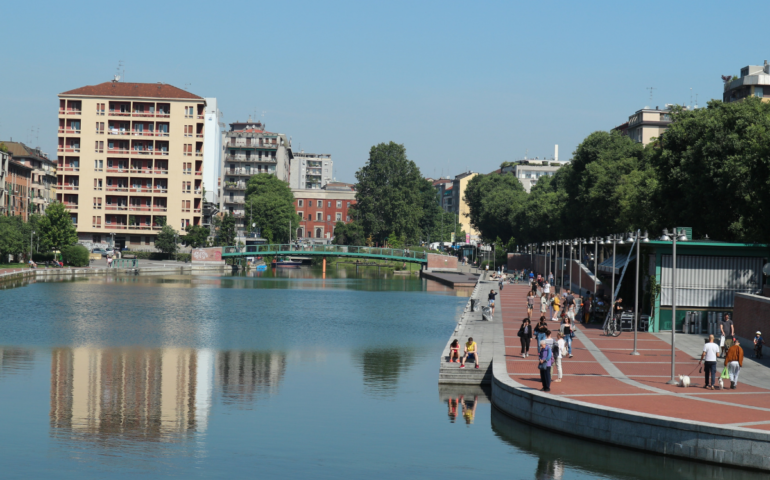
{"x": 330, "y": 249}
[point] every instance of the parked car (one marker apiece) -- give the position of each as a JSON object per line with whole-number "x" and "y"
{"x": 100, "y": 251}
{"x": 110, "y": 252}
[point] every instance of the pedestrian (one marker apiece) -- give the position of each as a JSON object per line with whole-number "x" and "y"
{"x": 734, "y": 362}
{"x": 550, "y": 278}
{"x": 547, "y": 289}
{"x": 758, "y": 344}
{"x": 540, "y": 332}
{"x": 530, "y": 303}
{"x": 471, "y": 350}
{"x": 568, "y": 330}
{"x": 728, "y": 333}
{"x": 561, "y": 351}
{"x": 525, "y": 334}
{"x": 569, "y": 303}
{"x": 710, "y": 353}
{"x": 500, "y": 284}
{"x": 556, "y": 302}
{"x": 491, "y": 299}
{"x": 543, "y": 305}
{"x": 544, "y": 364}
{"x": 587, "y": 308}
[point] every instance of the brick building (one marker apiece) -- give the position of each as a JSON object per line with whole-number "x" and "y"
{"x": 322, "y": 208}
{"x": 17, "y": 196}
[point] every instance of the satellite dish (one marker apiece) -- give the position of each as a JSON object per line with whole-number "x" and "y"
{"x": 766, "y": 269}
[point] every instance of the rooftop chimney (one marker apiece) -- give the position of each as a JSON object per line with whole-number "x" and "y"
{"x": 556, "y": 152}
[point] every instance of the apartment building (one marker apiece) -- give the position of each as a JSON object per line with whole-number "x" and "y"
{"x": 249, "y": 150}
{"x": 311, "y": 170}
{"x": 460, "y": 206}
{"x": 528, "y": 171}
{"x": 322, "y": 208}
{"x": 5, "y": 159}
{"x": 753, "y": 82}
{"x": 43, "y": 176}
{"x": 146, "y": 167}
{"x": 646, "y": 124}
{"x": 17, "y": 193}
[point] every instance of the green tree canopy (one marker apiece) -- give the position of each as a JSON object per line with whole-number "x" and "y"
{"x": 56, "y": 227}
{"x": 389, "y": 194}
{"x": 11, "y": 241}
{"x": 270, "y": 204}
{"x": 494, "y": 201}
{"x": 224, "y": 226}
{"x": 166, "y": 240}
{"x": 713, "y": 169}
{"x": 197, "y": 236}
{"x": 349, "y": 234}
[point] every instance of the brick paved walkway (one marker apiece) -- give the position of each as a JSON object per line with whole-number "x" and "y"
{"x": 603, "y": 372}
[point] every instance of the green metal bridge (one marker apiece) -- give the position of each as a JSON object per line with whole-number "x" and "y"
{"x": 396, "y": 254}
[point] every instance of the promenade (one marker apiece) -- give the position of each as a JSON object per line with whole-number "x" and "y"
{"x": 603, "y": 378}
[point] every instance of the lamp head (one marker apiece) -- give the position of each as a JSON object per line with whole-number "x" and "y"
{"x": 665, "y": 237}
{"x": 645, "y": 237}
{"x": 630, "y": 237}
{"x": 590, "y": 241}
{"x": 681, "y": 236}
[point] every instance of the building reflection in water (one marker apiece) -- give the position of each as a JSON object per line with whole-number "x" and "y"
{"x": 15, "y": 360}
{"x": 382, "y": 368}
{"x": 244, "y": 376}
{"x": 152, "y": 394}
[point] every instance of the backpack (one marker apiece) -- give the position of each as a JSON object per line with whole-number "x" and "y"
{"x": 555, "y": 349}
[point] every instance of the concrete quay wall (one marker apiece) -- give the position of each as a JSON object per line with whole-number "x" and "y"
{"x": 690, "y": 440}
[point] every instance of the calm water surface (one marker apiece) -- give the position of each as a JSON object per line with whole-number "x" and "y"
{"x": 288, "y": 376}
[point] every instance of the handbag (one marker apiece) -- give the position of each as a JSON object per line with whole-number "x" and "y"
{"x": 521, "y": 332}
{"x": 725, "y": 374}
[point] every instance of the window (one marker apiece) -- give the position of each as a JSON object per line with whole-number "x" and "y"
{"x": 328, "y": 218}
{"x": 319, "y": 216}
{"x": 97, "y": 238}
{"x": 299, "y": 203}
{"x": 339, "y": 216}
{"x": 347, "y": 218}
{"x": 98, "y": 165}
{"x": 301, "y": 214}
{"x": 97, "y": 203}
{"x": 339, "y": 204}
{"x": 97, "y": 183}
{"x": 348, "y": 204}
{"x": 329, "y": 204}
{"x": 135, "y": 239}
{"x": 147, "y": 240}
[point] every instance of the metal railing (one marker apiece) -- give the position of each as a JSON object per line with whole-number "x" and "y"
{"x": 330, "y": 250}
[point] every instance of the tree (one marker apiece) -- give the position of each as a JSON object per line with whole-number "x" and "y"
{"x": 224, "y": 226}
{"x": 11, "y": 241}
{"x": 720, "y": 153}
{"x": 270, "y": 204}
{"x": 388, "y": 194}
{"x": 197, "y": 236}
{"x": 349, "y": 234}
{"x": 76, "y": 255}
{"x": 56, "y": 228}
{"x": 166, "y": 240}
{"x": 494, "y": 201}
{"x": 431, "y": 211}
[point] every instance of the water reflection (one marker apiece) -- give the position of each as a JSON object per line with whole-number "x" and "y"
{"x": 462, "y": 401}
{"x": 382, "y": 368}
{"x": 15, "y": 360}
{"x": 244, "y": 376}
{"x": 557, "y": 453}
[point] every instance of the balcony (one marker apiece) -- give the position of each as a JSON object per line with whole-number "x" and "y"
{"x": 72, "y": 111}
{"x": 199, "y": 174}
{"x": 162, "y": 115}
{"x": 115, "y": 226}
{"x": 198, "y": 153}
{"x": 161, "y": 152}
{"x": 139, "y": 208}
{"x": 159, "y": 190}
{"x": 117, "y": 169}
{"x": 270, "y": 146}
{"x": 200, "y": 117}
{"x": 69, "y": 149}
{"x": 141, "y": 171}
{"x": 115, "y": 131}
{"x": 199, "y": 135}
{"x": 241, "y": 172}
{"x": 142, "y": 114}
{"x": 115, "y": 207}
{"x": 158, "y": 208}
{"x": 158, "y": 171}
{"x": 235, "y": 185}
{"x": 140, "y": 189}
{"x": 71, "y": 206}
{"x": 68, "y": 168}
{"x": 117, "y": 188}
{"x": 69, "y": 131}
{"x": 118, "y": 151}
{"x": 196, "y": 210}
{"x": 141, "y": 152}
{"x": 118, "y": 113}
{"x": 68, "y": 187}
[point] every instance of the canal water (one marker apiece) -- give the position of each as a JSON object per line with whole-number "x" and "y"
{"x": 291, "y": 375}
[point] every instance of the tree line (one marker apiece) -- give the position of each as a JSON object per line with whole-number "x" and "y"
{"x": 710, "y": 171}
{"x": 395, "y": 204}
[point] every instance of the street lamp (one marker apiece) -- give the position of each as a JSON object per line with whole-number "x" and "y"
{"x": 561, "y": 262}
{"x": 677, "y": 236}
{"x": 614, "y": 240}
{"x": 30, "y": 243}
{"x": 639, "y": 238}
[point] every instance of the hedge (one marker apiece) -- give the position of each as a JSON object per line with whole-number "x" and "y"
{"x": 159, "y": 255}
{"x": 76, "y": 255}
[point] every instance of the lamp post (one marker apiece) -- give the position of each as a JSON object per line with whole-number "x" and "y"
{"x": 561, "y": 262}
{"x": 571, "y": 248}
{"x": 639, "y": 239}
{"x": 30, "y": 243}
{"x": 614, "y": 240}
{"x": 680, "y": 236}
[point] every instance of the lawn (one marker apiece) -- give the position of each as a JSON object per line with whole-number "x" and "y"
{"x": 13, "y": 265}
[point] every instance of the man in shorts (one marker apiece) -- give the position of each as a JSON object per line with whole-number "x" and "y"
{"x": 728, "y": 332}
{"x": 471, "y": 349}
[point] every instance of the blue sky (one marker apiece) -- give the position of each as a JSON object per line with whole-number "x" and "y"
{"x": 463, "y": 85}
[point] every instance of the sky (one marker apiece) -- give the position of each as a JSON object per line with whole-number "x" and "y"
{"x": 464, "y": 86}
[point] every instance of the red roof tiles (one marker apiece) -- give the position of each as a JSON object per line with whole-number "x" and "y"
{"x": 121, "y": 89}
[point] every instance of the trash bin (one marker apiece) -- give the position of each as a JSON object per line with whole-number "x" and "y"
{"x": 474, "y": 304}
{"x": 486, "y": 313}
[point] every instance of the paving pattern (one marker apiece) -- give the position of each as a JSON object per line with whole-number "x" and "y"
{"x": 603, "y": 372}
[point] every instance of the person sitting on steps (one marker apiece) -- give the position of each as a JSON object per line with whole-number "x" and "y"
{"x": 471, "y": 349}
{"x": 454, "y": 351}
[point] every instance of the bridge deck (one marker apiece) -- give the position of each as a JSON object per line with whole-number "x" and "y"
{"x": 396, "y": 254}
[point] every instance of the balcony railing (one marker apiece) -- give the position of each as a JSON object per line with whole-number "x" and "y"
{"x": 69, "y": 131}
{"x": 250, "y": 158}
{"x": 68, "y": 169}
{"x": 196, "y": 210}
{"x": 73, "y": 112}
{"x": 159, "y": 209}
{"x": 115, "y": 226}
{"x": 158, "y": 171}
{"x": 117, "y": 169}
{"x": 115, "y": 207}
{"x": 141, "y": 189}
{"x": 116, "y": 188}
{"x": 199, "y": 173}
{"x": 141, "y": 152}
{"x": 116, "y": 113}
{"x": 235, "y": 185}
{"x": 159, "y": 190}
{"x": 199, "y": 135}
{"x": 162, "y": 115}
{"x": 200, "y": 117}
{"x": 142, "y": 114}
{"x": 253, "y": 145}
{"x": 139, "y": 208}
{"x": 67, "y": 187}
{"x": 161, "y": 152}
{"x": 115, "y": 131}
{"x": 118, "y": 151}
{"x": 71, "y": 206}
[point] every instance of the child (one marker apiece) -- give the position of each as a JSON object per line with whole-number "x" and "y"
{"x": 758, "y": 343}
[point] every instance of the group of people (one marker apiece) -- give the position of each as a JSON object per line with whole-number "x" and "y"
{"x": 470, "y": 352}
{"x": 728, "y": 348}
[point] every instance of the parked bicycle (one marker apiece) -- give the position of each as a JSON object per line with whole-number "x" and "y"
{"x": 612, "y": 327}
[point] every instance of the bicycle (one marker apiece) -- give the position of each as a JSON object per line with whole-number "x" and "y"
{"x": 612, "y": 328}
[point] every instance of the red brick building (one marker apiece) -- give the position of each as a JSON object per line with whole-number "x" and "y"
{"x": 322, "y": 208}
{"x": 17, "y": 194}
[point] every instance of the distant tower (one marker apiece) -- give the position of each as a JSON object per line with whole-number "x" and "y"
{"x": 556, "y": 153}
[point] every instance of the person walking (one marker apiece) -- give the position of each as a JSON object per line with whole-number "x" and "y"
{"x": 710, "y": 353}
{"x": 543, "y": 305}
{"x": 587, "y": 308}
{"x": 759, "y": 342}
{"x": 544, "y": 364}
{"x": 525, "y": 335}
{"x": 728, "y": 333}
{"x": 556, "y": 304}
{"x": 734, "y": 362}
{"x": 561, "y": 351}
{"x": 491, "y": 299}
{"x": 550, "y": 278}
{"x": 568, "y": 330}
{"x": 500, "y": 283}
{"x": 530, "y": 304}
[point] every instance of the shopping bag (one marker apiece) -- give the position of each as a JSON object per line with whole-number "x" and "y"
{"x": 725, "y": 374}
{"x": 722, "y": 342}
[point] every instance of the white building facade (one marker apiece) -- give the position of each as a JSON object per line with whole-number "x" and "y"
{"x": 311, "y": 170}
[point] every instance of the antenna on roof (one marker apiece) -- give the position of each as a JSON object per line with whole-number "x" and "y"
{"x": 187, "y": 86}
{"x": 116, "y": 77}
{"x": 651, "y": 90}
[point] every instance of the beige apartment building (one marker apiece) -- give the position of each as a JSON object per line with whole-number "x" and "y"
{"x": 646, "y": 124}
{"x": 146, "y": 166}
{"x": 753, "y": 82}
